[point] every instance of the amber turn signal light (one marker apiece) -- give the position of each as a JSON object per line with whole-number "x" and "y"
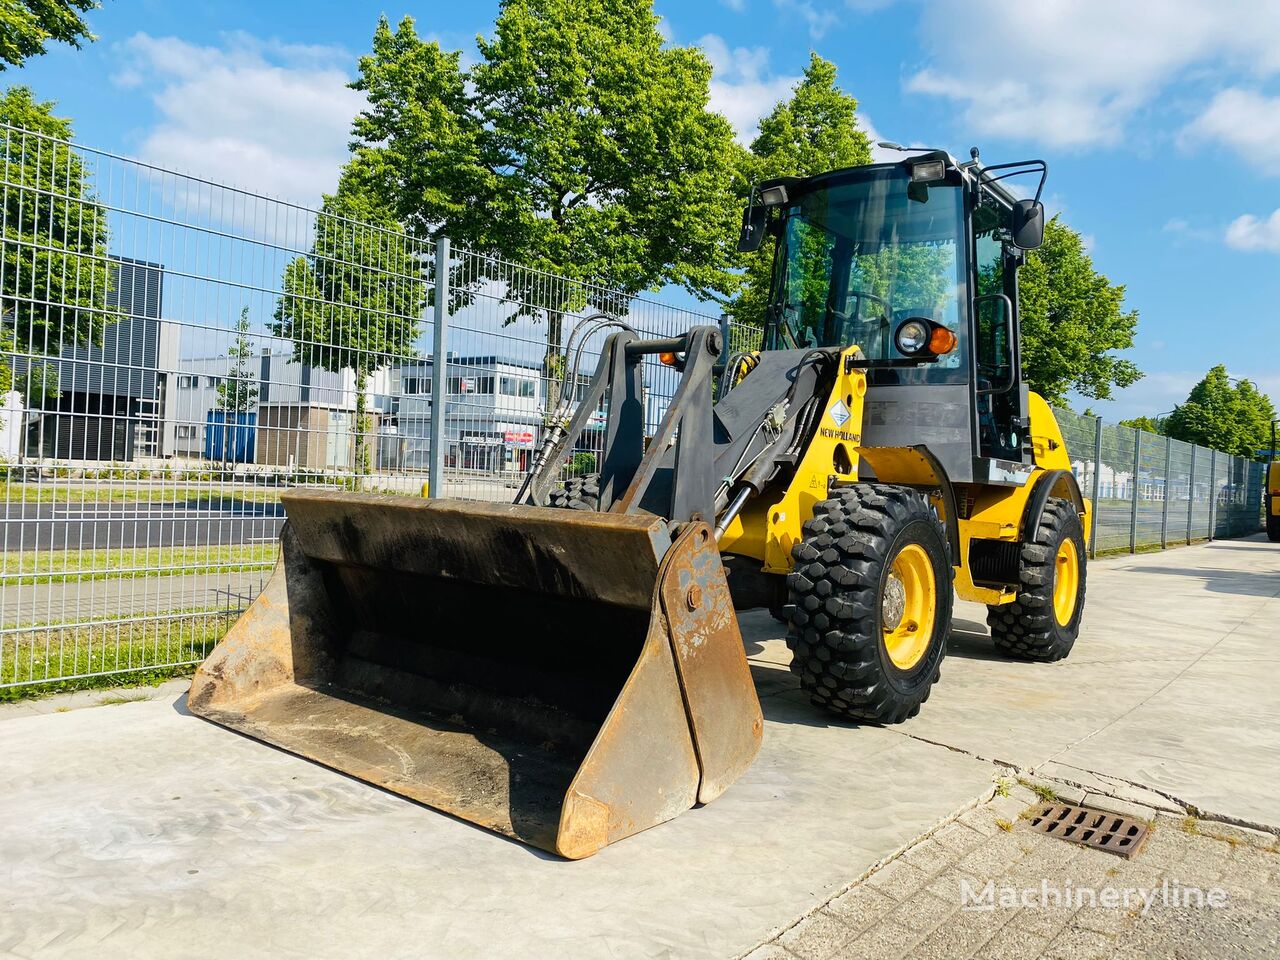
{"x": 668, "y": 358}
{"x": 942, "y": 341}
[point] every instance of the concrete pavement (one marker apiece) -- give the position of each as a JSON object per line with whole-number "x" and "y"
{"x": 136, "y": 830}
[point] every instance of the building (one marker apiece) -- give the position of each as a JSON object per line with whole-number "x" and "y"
{"x": 111, "y": 397}
{"x": 304, "y": 416}
{"x": 492, "y": 418}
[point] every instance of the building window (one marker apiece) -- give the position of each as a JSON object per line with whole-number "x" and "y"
{"x": 515, "y": 387}
{"x": 212, "y": 381}
{"x": 471, "y": 385}
{"x": 416, "y": 385}
{"x": 186, "y": 431}
{"x": 186, "y": 382}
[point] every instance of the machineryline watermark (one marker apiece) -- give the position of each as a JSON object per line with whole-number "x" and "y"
{"x": 990, "y": 897}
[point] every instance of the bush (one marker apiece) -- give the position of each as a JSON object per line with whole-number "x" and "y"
{"x": 582, "y": 463}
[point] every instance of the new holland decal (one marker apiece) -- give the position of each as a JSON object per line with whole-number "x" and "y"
{"x": 839, "y": 414}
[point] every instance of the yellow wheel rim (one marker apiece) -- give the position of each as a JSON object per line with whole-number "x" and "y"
{"x": 1066, "y": 581}
{"x": 908, "y": 608}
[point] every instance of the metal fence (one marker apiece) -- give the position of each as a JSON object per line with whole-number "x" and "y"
{"x": 1151, "y": 491}
{"x": 174, "y": 353}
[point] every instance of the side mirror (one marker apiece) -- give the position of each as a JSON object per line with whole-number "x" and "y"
{"x": 1026, "y": 223}
{"x": 755, "y": 224}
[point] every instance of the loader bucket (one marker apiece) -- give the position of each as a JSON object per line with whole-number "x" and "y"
{"x": 561, "y": 677}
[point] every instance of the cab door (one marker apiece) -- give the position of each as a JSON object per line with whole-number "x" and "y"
{"x": 1000, "y": 396}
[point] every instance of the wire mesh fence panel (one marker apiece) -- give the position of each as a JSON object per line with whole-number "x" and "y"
{"x": 1178, "y": 487}
{"x": 1117, "y": 483}
{"x": 1152, "y": 488}
{"x": 522, "y": 347}
{"x": 179, "y": 353}
{"x": 1201, "y": 490}
{"x": 1238, "y": 495}
{"x": 1080, "y": 435}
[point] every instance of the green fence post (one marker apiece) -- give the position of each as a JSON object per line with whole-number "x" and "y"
{"x": 1164, "y": 514}
{"x": 1213, "y": 498}
{"x": 1097, "y": 486}
{"x": 1133, "y": 507}
{"x": 1191, "y": 496}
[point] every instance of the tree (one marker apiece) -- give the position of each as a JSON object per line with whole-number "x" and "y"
{"x": 814, "y": 131}
{"x": 26, "y": 25}
{"x": 579, "y": 145}
{"x": 1149, "y": 424}
{"x": 355, "y": 302}
{"x": 1072, "y": 318}
{"x": 237, "y": 391}
{"x": 55, "y": 279}
{"x": 1235, "y": 420}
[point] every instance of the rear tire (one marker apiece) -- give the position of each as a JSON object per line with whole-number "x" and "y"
{"x": 577, "y": 493}
{"x": 870, "y": 603}
{"x": 1273, "y": 521}
{"x": 1043, "y": 621}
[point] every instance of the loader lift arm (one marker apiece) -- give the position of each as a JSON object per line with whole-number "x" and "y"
{"x": 705, "y": 459}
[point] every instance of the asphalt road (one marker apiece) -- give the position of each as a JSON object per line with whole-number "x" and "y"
{"x": 88, "y": 526}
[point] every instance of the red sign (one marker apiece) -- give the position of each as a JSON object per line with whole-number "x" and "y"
{"x": 522, "y": 438}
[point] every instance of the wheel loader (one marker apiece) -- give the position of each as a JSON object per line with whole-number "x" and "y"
{"x": 567, "y": 669}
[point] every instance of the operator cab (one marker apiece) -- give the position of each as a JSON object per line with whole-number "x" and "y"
{"x": 915, "y": 263}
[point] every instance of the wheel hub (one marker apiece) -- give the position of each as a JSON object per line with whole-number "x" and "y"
{"x": 894, "y": 602}
{"x": 908, "y": 606}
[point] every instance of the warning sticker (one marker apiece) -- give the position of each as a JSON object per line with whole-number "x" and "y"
{"x": 839, "y": 413}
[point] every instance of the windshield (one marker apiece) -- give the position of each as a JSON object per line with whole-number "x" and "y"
{"x": 858, "y": 258}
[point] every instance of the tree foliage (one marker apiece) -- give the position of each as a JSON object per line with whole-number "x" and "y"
{"x": 1073, "y": 317}
{"x": 1149, "y": 424}
{"x": 579, "y": 144}
{"x": 813, "y": 131}
{"x": 238, "y": 391}
{"x": 27, "y": 25}
{"x": 355, "y": 302}
{"x": 56, "y": 277}
{"x": 1235, "y": 419}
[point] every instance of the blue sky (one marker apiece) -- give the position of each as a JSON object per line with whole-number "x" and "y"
{"x": 1160, "y": 120}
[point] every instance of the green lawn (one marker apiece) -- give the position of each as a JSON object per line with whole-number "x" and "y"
{"x": 168, "y": 494}
{"x": 126, "y": 647}
{"x": 79, "y": 566}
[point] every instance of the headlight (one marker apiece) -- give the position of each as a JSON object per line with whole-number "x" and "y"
{"x": 773, "y": 196}
{"x": 912, "y": 337}
{"x": 928, "y": 171}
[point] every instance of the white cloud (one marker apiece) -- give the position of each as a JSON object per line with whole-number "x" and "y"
{"x": 878, "y": 154}
{"x": 1246, "y": 121}
{"x": 1255, "y": 234}
{"x": 742, "y": 88}
{"x": 265, "y": 116}
{"x": 1074, "y": 72}
{"x": 1155, "y": 393}
{"x": 819, "y": 21}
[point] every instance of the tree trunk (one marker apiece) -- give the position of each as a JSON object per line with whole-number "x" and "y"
{"x": 361, "y": 426}
{"x": 553, "y": 362}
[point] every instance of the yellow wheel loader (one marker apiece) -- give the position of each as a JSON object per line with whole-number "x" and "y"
{"x": 568, "y": 669}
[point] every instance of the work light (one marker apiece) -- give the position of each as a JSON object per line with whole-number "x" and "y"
{"x": 927, "y": 171}
{"x": 912, "y": 337}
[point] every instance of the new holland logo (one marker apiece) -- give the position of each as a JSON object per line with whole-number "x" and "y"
{"x": 839, "y": 413}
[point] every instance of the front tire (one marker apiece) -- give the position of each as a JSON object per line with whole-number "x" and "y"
{"x": 1273, "y": 521}
{"x": 1043, "y": 621}
{"x": 870, "y": 603}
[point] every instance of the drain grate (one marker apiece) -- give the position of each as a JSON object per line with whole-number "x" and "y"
{"x": 1091, "y": 828}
